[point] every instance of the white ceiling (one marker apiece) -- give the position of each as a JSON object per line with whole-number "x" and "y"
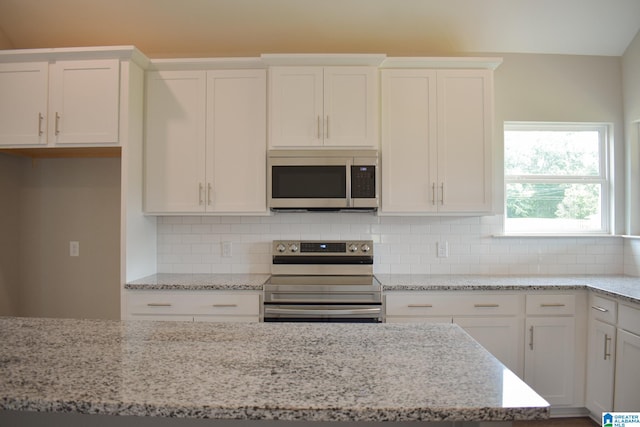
{"x": 183, "y": 28}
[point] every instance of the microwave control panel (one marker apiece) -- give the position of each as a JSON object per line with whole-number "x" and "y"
{"x": 363, "y": 182}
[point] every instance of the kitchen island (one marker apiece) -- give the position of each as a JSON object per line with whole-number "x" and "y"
{"x": 181, "y": 372}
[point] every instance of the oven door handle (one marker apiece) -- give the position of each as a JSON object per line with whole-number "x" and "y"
{"x": 337, "y": 312}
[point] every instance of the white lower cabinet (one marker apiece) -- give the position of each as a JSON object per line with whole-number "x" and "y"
{"x": 626, "y": 397}
{"x": 492, "y": 319}
{"x": 555, "y": 327}
{"x": 534, "y": 334}
{"x": 549, "y": 358}
{"x": 206, "y": 306}
{"x": 601, "y": 355}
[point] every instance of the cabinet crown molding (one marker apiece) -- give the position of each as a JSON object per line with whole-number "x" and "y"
{"x": 323, "y": 59}
{"x": 448, "y": 62}
{"x": 75, "y": 53}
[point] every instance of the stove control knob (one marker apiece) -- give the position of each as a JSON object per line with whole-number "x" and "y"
{"x": 293, "y": 247}
{"x": 281, "y": 248}
{"x": 353, "y": 247}
{"x": 365, "y": 248}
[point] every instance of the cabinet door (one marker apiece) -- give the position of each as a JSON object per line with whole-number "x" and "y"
{"x": 84, "y": 104}
{"x": 465, "y": 123}
{"x": 627, "y": 384}
{"x": 499, "y": 335}
{"x": 549, "y": 358}
{"x": 409, "y": 141}
{"x": 350, "y": 107}
{"x": 236, "y": 145}
{"x": 175, "y": 141}
{"x": 601, "y": 367}
{"x": 23, "y": 104}
{"x": 296, "y": 106}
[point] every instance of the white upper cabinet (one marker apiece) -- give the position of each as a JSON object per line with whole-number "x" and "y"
{"x": 436, "y": 141}
{"x": 84, "y": 101}
{"x": 323, "y": 107}
{"x": 71, "y": 102}
{"x": 205, "y": 148}
{"x": 23, "y": 104}
{"x": 175, "y": 141}
{"x": 236, "y": 141}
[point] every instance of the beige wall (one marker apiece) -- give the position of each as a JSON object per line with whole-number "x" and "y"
{"x": 631, "y": 82}
{"x": 9, "y": 236}
{"x": 5, "y": 43}
{"x": 64, "y": 200}
{"x": 567, "y": 88}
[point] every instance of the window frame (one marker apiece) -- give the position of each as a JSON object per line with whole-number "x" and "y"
{"x": 605, "y": 180}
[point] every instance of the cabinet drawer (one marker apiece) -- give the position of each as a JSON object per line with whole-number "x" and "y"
{"x": 603, "y": 309}
{"x": 551, "y": 304}
{"x": 194, "y": 303}
{"x": 159, "y": 303}
{"x": 417, "y": 304}
{"x": 629, "y": 318}
{"x": 227, "y": 305}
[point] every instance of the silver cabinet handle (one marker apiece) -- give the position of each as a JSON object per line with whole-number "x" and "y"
{"x": 57, "y": 124}
{"x": 552, "y": 305}
{"x": 607, "y": 345}
{"x": 209, "y": 187}
{"x": 486, "y": 305}
{"x": 531, "y": 338}
{"x": 200, "y": 201}
{"x": 600, "y": 309}
{"x": 224, "y": 305}
{"x": 159, "y": 304}
{"x": 40, "y": 118}
{"x": 420, "y": 305}
{"x": 442, "y": 193}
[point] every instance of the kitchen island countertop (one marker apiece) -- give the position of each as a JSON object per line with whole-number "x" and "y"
{"x": 260, "y": 371}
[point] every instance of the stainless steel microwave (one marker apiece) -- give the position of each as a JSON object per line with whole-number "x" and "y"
{"x": 322, "y": 180}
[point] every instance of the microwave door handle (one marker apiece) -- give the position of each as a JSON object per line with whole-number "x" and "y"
{"x": 349, "y": 164}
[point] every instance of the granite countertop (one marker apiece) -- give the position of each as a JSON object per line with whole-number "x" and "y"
{"x": 169, "y": 281}
{"x": 257, "y": 371}
{"x": 624, "y": 287}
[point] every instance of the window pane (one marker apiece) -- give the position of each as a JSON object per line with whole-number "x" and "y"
{"x": 549, "y": 152}
{"x": 565, "y": 207}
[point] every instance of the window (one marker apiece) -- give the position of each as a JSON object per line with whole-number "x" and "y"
{"x": 556, "y": 178}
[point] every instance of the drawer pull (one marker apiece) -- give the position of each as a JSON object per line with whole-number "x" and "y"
{"x": 420, "y": 305}
{"x": 486, "y": 305}
{"x": 552, "y": 305}
{"x": 159, "y": 304}
{"x": 531, "y": 338}
{"x": 600, "y": 309}
{"x": 224, "y": 305}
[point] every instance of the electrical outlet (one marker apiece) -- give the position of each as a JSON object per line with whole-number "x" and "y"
{"x": 443, "y": 249}
{"x": 74, "y": 248}
{"x": 227, "y": 249}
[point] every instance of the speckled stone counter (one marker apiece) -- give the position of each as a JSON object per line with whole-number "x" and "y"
{"x": 624, "y": 287}
{"x": 260, "y": 371}
{"x": 166, "y": 281}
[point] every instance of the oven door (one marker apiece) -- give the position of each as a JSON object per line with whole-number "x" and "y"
{"x": 336, "y": 313}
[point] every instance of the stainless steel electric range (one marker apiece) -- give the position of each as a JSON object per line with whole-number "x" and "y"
{"x": 322, "y": 281}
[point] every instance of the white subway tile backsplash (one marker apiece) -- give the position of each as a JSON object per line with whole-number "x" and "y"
{"x": 403, "y": 245}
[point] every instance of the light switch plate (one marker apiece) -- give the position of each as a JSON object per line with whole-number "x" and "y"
{"x": 74, "y": 248}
